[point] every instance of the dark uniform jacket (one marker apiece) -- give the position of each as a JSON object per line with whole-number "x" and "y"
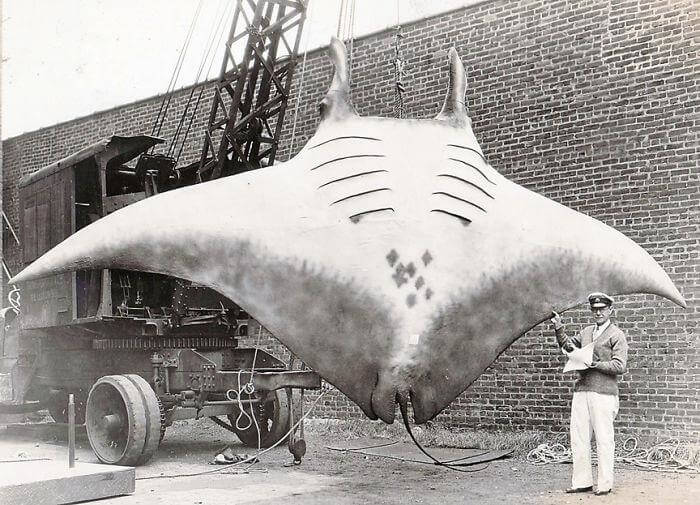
{"x": 610, "y": 352}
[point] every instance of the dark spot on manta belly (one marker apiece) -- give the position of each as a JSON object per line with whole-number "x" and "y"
{"x": 392, "y": 257}
{"x": 411, "y": 269}
{"x": 402, "y": 274}
{"x": 411, "y": 300}
{"x": 399, "y": 275}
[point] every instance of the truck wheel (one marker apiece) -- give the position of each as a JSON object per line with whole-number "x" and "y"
{"x": 123, "y": 420}
{"x": 272, "y": 420}
{"x": 155, "y": 410}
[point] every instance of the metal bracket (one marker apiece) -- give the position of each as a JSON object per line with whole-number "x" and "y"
{"x": 171, "y": 359}
{"x": 208, "y": 377}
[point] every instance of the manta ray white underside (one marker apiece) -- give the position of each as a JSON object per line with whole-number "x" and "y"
{"x": 388, "y": 254}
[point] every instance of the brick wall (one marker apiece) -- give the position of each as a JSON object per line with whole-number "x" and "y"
{"x": 593, "y": 104}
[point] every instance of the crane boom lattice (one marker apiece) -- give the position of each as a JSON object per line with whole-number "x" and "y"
{"x": 251, "y": 94}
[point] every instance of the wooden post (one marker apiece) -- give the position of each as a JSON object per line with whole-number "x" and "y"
{"x": 71, "y": 431}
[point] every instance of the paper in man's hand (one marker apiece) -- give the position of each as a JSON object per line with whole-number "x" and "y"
{"x": 579, "y": 359}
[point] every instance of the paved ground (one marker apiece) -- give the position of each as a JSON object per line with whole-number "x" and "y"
{"x": 339, "y": 478}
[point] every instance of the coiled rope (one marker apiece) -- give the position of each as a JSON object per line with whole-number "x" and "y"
{"x": 234, "y": 468}
{"x": 672, "y": 455}
{"x": 13, "y": 297}
{"x": 244, "y": 420}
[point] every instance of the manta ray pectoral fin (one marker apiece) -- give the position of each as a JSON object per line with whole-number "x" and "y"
{"x": 414, "y": 301}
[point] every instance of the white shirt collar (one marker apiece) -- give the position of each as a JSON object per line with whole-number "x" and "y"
{"x": 598, "y": 331}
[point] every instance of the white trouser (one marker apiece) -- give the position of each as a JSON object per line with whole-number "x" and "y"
{"x": 593, "y": 412}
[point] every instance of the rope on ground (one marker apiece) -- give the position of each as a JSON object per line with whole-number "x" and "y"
{"x": 547, "y": 453}
{"x": 234, "y": 468}
{"x": 672, "y": 455}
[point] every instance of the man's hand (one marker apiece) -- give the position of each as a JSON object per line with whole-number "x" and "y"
{"x": 556, "y": 320}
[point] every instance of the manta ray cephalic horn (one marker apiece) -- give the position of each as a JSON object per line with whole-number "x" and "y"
{"x": 337, "y": 103}
{"x": 387, "y": 254}
{"x": 454, "y": 109}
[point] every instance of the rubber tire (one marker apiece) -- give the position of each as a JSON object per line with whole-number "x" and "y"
{"x": 135, "y": 439}
{"x": 273, "y": 422}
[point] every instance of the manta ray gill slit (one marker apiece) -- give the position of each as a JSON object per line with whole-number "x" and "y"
{"x": 346, "y": 137}
{"x": 475, "y": 168}
{"x": 353, "y": 156}
{"x": 352, "y": 176}
{"x": 468, "y": 183}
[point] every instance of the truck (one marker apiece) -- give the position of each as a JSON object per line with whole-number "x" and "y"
{"x": 138, "y": 351}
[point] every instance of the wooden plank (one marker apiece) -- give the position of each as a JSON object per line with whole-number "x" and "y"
{"x": 52, "y": 482}
{"x": 44, "y": 431}
{"x": 57, "y": 212}
{"x": 29, "y": 227}
{"x": 43, "y": 222}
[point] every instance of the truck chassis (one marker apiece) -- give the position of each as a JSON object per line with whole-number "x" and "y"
{"x": 138, "y": 351}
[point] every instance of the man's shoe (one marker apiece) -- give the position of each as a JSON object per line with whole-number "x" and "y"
{"x": 602, "y": 493}
{"x": 580, "y": 489}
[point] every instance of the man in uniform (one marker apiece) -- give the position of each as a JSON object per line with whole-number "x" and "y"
{"x": 595, "y": 402}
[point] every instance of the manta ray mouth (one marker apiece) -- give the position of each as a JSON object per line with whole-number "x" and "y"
{"x": 385, "y": 404}
{"x": 394, "y": 387}
{"x": 385, "y": 396}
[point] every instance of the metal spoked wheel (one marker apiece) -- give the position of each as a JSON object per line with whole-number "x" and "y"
{"x": 272, "y": 417}
{"x": 123, "y": 420}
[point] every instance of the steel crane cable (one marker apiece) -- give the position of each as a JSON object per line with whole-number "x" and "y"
{"x": 216, "y": 34}
{"x": 165, "y": 104}
{"x": 201, "y": 91}
{"x": 346, "y": 29}
{"x": 208, "y": 48}
{"x": 301, "y": 81}
{"x": 340, "y": 17}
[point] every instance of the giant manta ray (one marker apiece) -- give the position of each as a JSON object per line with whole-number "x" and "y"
{"x": 388, "y": 254}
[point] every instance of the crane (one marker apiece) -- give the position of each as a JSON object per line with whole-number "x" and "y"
{"x": 161, "y": 347}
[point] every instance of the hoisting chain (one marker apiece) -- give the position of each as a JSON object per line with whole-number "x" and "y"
{"x": 399, "y": 89}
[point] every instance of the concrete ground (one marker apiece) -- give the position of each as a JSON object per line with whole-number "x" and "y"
{"x": 181, "y": 473}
